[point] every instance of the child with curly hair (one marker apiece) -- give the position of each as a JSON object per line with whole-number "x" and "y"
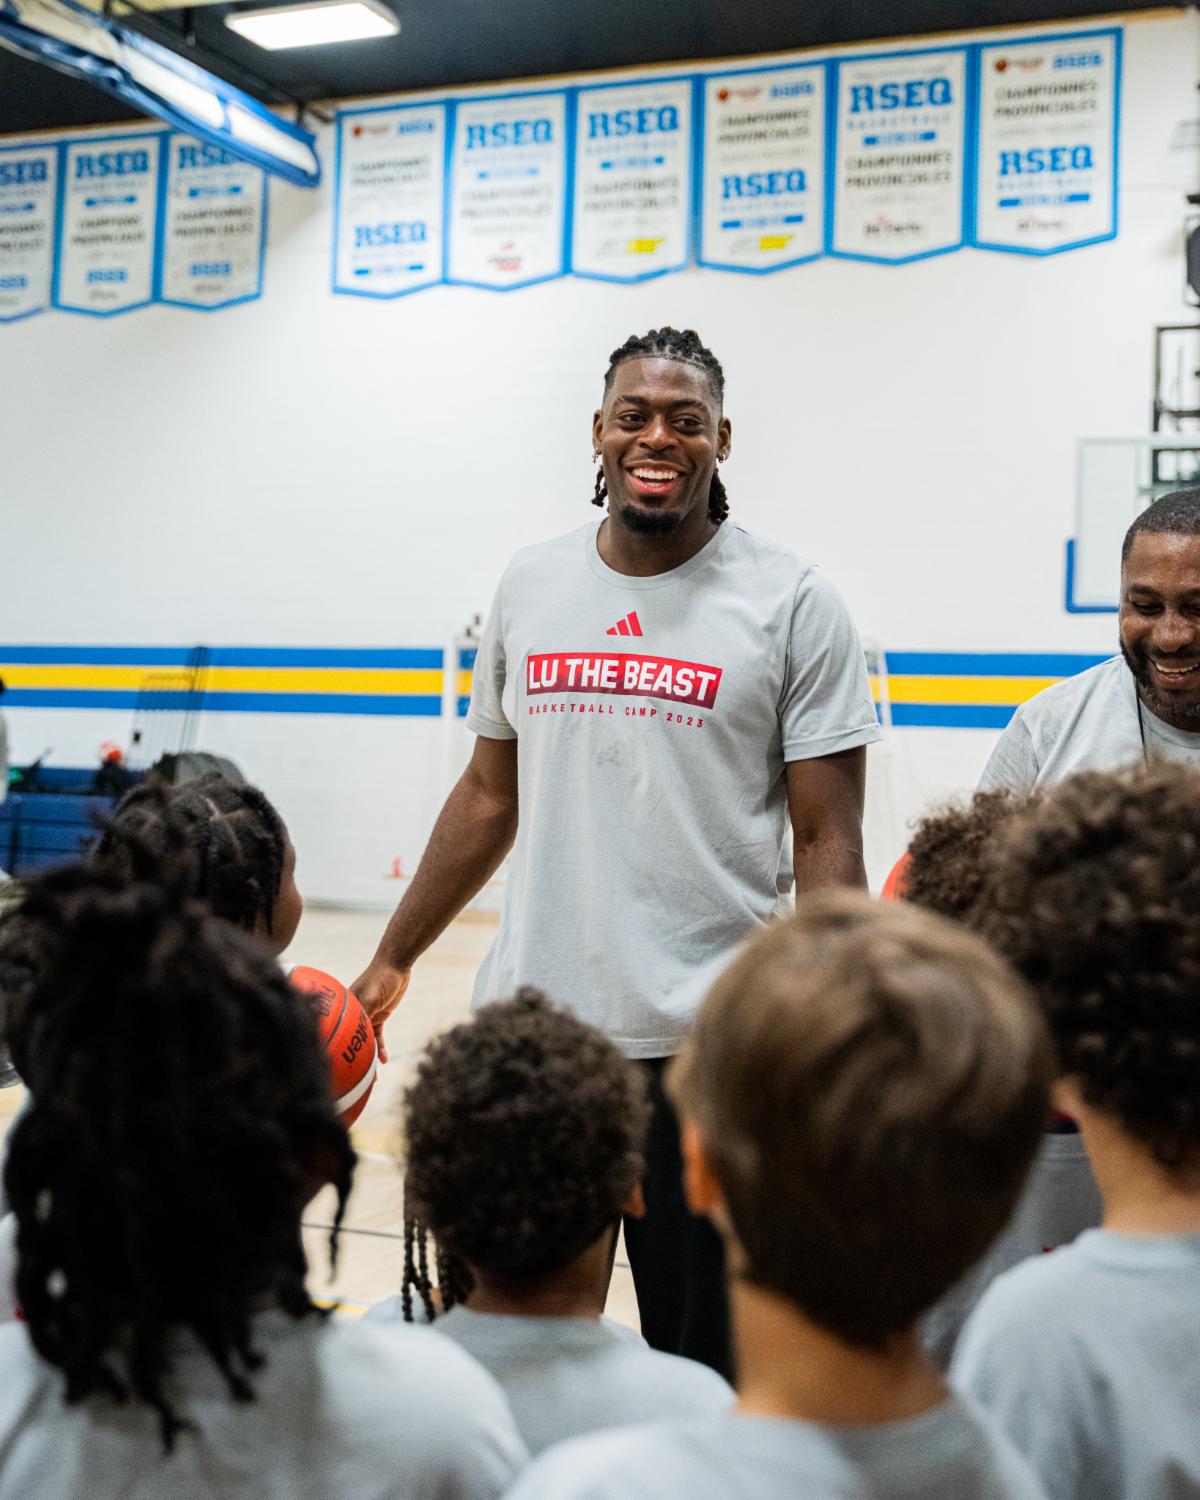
{"x": 524, "y": 1132}
{"x": 1087, "y": 1357}
{"x": 948, "y": 863}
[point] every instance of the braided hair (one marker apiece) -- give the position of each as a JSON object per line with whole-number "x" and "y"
{"x": 683, "y": 346}
{"x": 454, "y": 1280}
{"x": 236, "y": 839}
{"x": 179, "y": 1119}
{"x": 525, "y": 1130}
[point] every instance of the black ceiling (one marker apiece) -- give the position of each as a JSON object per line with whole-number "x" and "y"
{"x": 447, "y": 42}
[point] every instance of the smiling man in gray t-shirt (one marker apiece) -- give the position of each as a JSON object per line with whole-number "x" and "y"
{"x": 1141, "y": 705}
{"x": 656, "y": 698}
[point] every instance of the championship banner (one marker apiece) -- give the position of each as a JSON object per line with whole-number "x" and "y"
{"x": 900, "y": 154}
{"x": 508, "y": 191}
{"x": 763, "y": 173}
{"x": 104, "y": 263}
{"x": 215, "y": 226}
{"x": 389, "y": 200}
{"x": 1047, "y": 143}
{"x": 633, "y": 180}
{"x": 28, "y": 188}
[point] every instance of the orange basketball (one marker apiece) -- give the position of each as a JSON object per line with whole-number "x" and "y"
{"x": 348, "y": 1036}
{"x": 893, "y": 886}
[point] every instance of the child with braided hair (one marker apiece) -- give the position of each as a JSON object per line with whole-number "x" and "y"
{"x": 524, "y": 1134}
{"x": 242, "y": 866}
{"x": 243, "y": 861}
{"x": 1087, "y": 1357}
{"x": 179, "y": 1120}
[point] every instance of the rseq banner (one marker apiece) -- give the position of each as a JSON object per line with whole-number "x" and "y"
{"x": 1047, "y": 143}
{"x": 901, "y": 155}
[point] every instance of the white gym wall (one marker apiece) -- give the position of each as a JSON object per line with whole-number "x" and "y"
{"x": 329, "y": 471}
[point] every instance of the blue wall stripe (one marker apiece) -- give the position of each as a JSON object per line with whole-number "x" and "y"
{"x": 329, "y": 656}
{"x": 407, "y": 705}
{"x": 950, "y": 715}
{"x": 17, "y": 697}
{"x": 421, "y": 705}
{"x": 97, "y": 656}
{"x": 989, "y": 663}
{"x": 908, "y": 663}
{"x": 955, "y": 663}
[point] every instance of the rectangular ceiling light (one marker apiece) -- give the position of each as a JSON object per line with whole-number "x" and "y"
{"x": 313, "y": 25}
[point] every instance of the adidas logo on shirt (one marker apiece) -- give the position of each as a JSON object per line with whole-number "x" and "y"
{"x": 630, "y": 625}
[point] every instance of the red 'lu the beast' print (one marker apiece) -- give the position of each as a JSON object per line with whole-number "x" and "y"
{"x": 618, "y": 672}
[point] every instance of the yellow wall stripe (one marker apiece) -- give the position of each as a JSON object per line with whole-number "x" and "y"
{"x": 1003, "y": 691}
{"x": 400, "y": 680}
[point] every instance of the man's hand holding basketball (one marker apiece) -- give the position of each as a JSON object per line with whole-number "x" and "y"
{"x": 473, "y": 833}
{"x": 380, "y": 989}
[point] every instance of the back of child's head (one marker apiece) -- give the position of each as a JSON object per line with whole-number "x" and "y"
{"x": 237, "y": 842}
{"x": 179, "y": 1117}
{"x": 950, "y": 850}
{"x": 1095, "y": 897}
{"x": 870, "y": 1083}
{"x": 524, "y": 1131}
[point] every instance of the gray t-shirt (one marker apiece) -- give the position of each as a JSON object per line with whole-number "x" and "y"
{"x": 1059, "y": 1202}
{"x": 376, "y": 1413}
{"x": 8, "y": 1267}
{"x": 1085, "y": 723}
{"x": 1088, "y": 1358}
{"x": 950, "y": 1453}
{"x": 567, "y": 1376}
{"x": 655, "y": 718}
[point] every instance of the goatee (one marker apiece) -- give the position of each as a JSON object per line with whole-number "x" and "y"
{"x": 1182, "y": 715}
{"x": 648, "y": 522}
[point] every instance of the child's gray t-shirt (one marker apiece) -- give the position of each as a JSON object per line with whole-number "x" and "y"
{"x": 655, "y": 717}
{"x": 340, "y": 1410}
{"x": 1090, "y": 1360}
{"x": 950, "y": 1453}
{"x": 1060, "y": 1200}
{"x": 567, "y": 1376}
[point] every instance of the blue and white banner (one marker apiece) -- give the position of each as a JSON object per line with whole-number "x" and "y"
{"x": 508, "y": 191}
{"x": 389, "y": 207}
{"x": 1047, "y": 143}
{"x": 633, "y": 180}
{"x": 107, "y": 232}
{"x": 763, "y": 174}
{"x": 900, "y": 156}
{"x": 28, "y": 192}
{"x": 214, "y": 228}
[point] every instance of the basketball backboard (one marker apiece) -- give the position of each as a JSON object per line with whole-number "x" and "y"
{"x": 1116, "y": 479}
